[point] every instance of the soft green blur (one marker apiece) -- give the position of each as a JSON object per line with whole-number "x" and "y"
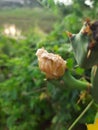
{"x": 28, "y": 101}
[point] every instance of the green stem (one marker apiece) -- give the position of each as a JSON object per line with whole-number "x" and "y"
{"x": 80, "y": 116}
{"x": 35, "y": 91}
{"x": 73, "y": 83}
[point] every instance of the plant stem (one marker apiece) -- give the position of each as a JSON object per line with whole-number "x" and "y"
{"x": 80, "y": 116}
{"x": 35, "y": 91}
{"x": 74, "y": 83}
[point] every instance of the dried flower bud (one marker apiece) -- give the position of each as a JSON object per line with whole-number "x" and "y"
{"x": 53, "y": 65}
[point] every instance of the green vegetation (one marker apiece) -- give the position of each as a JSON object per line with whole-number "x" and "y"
{"x": 29, "y": 101}
{"x": 29, "y": 18}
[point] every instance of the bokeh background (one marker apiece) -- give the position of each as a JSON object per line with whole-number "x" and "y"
{"x": 28, "y": 101}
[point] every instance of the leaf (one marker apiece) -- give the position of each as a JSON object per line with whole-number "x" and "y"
{"x": 79, "y": 71}
{"x": 70, "y": 63}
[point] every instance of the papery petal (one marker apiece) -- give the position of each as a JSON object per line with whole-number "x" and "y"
{"x": 53, "y": 65}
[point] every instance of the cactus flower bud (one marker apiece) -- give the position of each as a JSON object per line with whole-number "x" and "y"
{"x": 51, "y": 64}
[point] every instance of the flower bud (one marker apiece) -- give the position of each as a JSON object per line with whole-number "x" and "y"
{"x": 51, "y": 64}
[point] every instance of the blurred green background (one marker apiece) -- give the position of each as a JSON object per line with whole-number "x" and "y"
{"x": 27, "y": 100}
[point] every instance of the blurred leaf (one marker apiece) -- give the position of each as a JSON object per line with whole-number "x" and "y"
{"x": 79, "y": 71}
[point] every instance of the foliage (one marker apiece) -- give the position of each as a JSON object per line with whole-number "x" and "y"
{"x": 27, "y": 100}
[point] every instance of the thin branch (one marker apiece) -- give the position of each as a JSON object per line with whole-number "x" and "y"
{"x": 81, "y": 115}
{"x": 35, "y": 91}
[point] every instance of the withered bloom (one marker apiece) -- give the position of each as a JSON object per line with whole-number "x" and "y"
{"x": 51, "y": 64}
